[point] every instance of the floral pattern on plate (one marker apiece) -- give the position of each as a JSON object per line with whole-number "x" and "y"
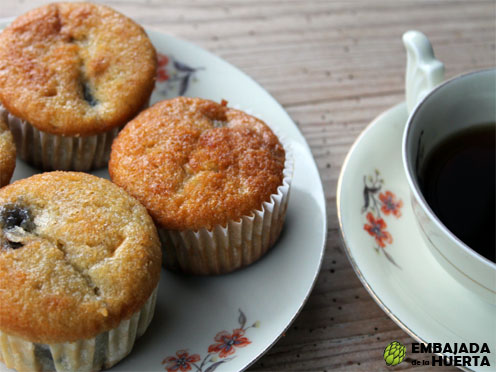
{"x": 226, "y": 344}
{"x": 173, "y": 76}
{"x": 376, "y": 204}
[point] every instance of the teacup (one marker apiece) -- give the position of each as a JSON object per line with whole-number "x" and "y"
{"x": 454, "y": 105}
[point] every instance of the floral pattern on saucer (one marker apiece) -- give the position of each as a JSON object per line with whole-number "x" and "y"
{"x": 226, "y": 344}
{"x": 376, "y": 204}
{"x": 173, "y": 76}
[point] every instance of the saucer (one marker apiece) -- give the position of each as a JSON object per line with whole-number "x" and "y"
{"x": 387, "y": 252}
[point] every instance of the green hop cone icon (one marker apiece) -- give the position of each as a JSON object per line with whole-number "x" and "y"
{"x": 394, "y": 353}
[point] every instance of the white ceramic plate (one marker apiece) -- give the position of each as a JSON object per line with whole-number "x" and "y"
{"x": 262, "y": 299}
{"x": 388, "y": 253}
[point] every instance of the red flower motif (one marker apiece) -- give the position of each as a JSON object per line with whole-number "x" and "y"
{"x": 162, "y": 60}
{"x": 376, "y": 228}
{"x": 227, "y": 342}
{"x": 162, "y": 75}
{"x": 181, "y": 362}
{"x": 390, "y": 204}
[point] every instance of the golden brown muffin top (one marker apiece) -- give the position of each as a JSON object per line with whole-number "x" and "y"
{"x": 75, "y": 68}
{"x": 77, "y": 256}
{"x": 195, "y": 163}
{"x": 7, "y": 153}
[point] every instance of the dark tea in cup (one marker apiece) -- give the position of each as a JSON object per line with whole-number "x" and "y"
{"x": 458, "y": 181}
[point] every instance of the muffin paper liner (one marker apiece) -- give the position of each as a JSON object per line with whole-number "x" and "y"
{"x": 102, "y": 351}
{"x": 53, "y": 152}
{"x": 237, "y": 244}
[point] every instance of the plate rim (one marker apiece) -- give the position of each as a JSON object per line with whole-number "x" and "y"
{"x": 322, "y": 248}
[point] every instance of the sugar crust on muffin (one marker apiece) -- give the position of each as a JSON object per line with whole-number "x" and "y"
{"x": 77, "y": 256}
{"x": 195, "y": 163}
{"x": 75, "y": 69}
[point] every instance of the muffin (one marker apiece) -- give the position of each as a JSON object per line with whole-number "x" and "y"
{"x": 71, "y": 75}
{"x": 80, "y": 263}
{"x": 215, "y": 180}
{"x": 7, "y": 154}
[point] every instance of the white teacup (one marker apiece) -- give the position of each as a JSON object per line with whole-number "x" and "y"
{"x": 461, "y": 102}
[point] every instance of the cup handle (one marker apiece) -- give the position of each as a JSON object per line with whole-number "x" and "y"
{"x": 423, "y": 70}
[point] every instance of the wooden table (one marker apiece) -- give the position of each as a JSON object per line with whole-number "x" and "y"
{"x": 334, "y": 66}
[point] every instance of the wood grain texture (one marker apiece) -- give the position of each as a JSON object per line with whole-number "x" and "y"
{"x": 334, "y": 66}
